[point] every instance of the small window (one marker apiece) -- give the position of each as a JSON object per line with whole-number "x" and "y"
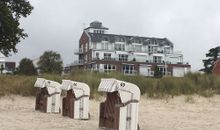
{"x": 128, "y": 69}
{"x": 123, "y": 57}
{"x": 137, "y": 41}
{"x": 97, "y": 55}
{"x": 108, "y": 68}
{"x": 119, "y": 47}
{"x": 121, "y": 39}
{"x": 105, "y": 39}
{"x": 107, "y": 56}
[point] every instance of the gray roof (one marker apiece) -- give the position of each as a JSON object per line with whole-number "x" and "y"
{"x": 98, "y": 37}
{"x": 97, "y": 25}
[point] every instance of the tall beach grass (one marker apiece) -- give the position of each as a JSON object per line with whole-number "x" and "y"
{"x": 192, "y": 83}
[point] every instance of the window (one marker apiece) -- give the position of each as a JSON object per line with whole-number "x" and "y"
{"x": 94, "y": 45}
{"x": 119, "y": 47}
{"x": 152, "y": 49}
{"x": 167, "y": 50}
{"x": 128, "y": 69}
{"x": 105, "y": 39}
{"x": 97, "y": 55}
{"x": 137, "y": 48}
{"x": 95, "y": 67}
{"x": 86, "y": 47}
{"x": 85, "y": 59}
{"x": 104, "y": 46}
{"x": 162, "y": 70}
{"x": 82, "y": 48}
{"x": 121, "y": 39}
{"x": 137, "y": 41}
{"x": 145, "y": 49}
{"x": 157, "y": 59}
{"x": 123, "y": 57}
{"x": 108, "y": 68}
{"x": 107, "y": 56}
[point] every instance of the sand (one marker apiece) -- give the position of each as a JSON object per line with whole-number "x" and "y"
{"x": 178, "y": 113}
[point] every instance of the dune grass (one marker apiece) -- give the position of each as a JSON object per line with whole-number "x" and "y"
{"x": 192, "y": 83}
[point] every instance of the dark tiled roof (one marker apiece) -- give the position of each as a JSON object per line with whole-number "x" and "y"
{"x": 97, "y": 28}
{"x": 96, "y": 25}
{"x": 98, "y": 37}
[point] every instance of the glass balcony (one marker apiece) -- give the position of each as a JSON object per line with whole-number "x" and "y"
{"x": 78, "y": 51}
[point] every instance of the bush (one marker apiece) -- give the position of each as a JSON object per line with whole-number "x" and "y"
{"x": 26, "y": 67}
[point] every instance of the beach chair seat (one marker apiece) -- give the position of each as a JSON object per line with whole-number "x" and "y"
{"x": 76, "y": 102}
{"x": 120, "y": 109}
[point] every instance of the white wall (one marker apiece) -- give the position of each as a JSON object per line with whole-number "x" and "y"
{"x": 145, "y": 70}
{"x": 2, "y": 58}
{"x": 180, "y": 71}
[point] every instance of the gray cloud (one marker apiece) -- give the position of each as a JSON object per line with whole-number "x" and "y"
{"x": 192, "y": 25}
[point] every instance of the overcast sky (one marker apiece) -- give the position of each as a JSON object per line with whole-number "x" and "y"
{"x": 192, "y": 25}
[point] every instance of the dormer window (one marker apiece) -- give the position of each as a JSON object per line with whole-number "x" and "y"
{"x": 137, "y": 41}
{"x": 121, "y": 39}
{"x": 105, "y": 39}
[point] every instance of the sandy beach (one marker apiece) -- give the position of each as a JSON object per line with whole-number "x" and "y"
{"x": 178, "y": 113}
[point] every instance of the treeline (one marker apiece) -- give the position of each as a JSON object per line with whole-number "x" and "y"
{"x": 50, "y": 62}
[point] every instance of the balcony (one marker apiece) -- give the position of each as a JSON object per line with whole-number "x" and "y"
{"x": 77, "y": 62}
{"x": 78, "y": 51}
{"x": 133, "y": 59}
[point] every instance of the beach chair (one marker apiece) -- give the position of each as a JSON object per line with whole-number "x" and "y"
{"x": 48, "y": 96}
{"x": 76, "y": 102}
{"x": 120, "y": 109}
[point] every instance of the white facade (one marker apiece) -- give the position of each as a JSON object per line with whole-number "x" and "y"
{"x": 136, "y": 52}
{"x": 180, "y": 71}
{"x": 2, "y": 58}
{"x": 103, "y": 49}
{"x": 145, "y": 70}
{"x": 3, "y": 63}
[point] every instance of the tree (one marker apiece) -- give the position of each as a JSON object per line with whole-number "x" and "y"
{"x": 26, "y": 67}
{"x": 212, "y": 56}
{"x": 10, "y": 31}
{"x": 157, "y": 72}
{"x": 50, "y": 62}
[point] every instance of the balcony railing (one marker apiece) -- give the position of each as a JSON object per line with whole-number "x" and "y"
{"x": 78, "y": 51}
{"x": 130, "y": 72}
{"x": 77, "y": 62}
{"x": 140, "y": 60}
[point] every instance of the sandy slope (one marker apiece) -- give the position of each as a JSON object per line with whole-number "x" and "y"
{"x": 17, "y": 113}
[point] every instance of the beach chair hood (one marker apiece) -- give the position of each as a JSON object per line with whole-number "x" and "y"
{"x": 79, "y": 88}
{"x": 52, "y": 86}
{"x": 126, "y": 90}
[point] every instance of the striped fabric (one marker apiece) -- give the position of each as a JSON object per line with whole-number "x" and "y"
{"x": 108, "y": 85}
